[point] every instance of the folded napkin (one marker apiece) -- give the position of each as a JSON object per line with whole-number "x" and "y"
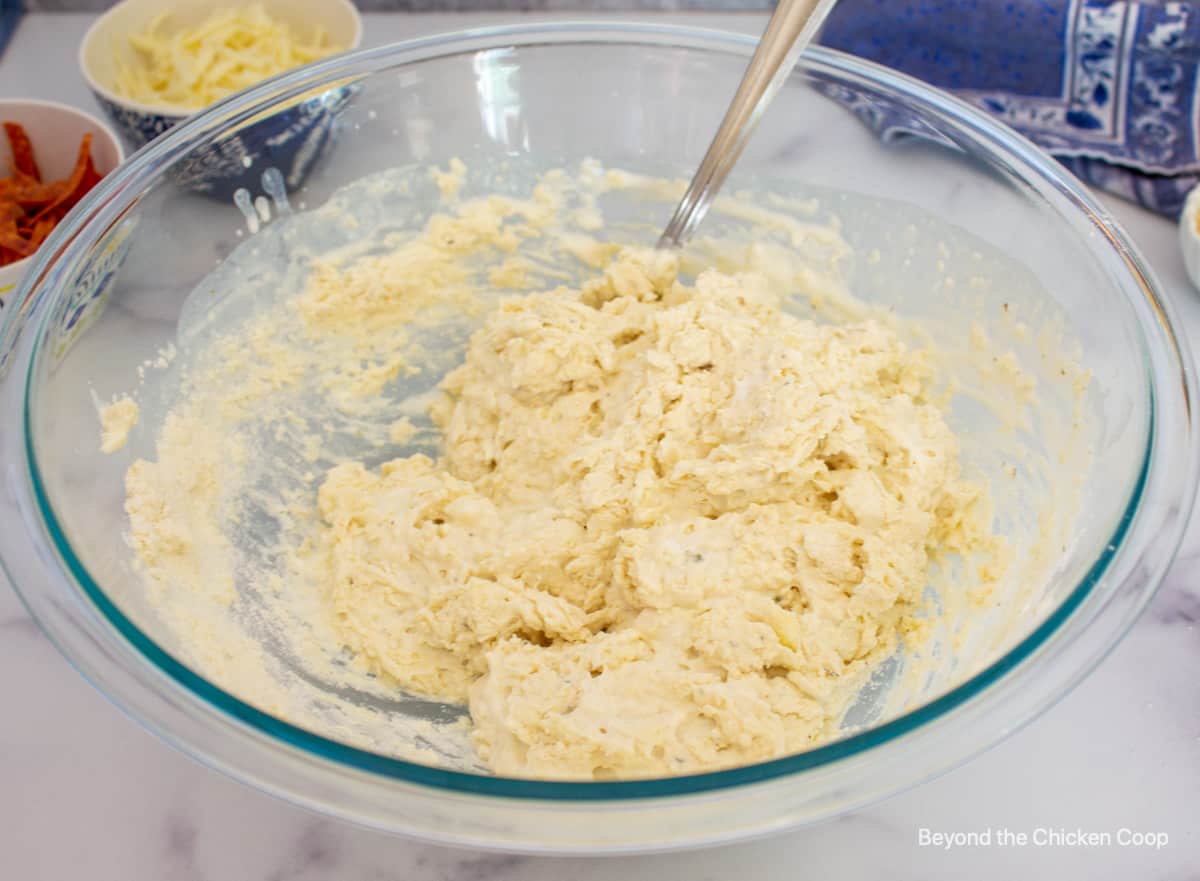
{"x": 1108, "y": 87}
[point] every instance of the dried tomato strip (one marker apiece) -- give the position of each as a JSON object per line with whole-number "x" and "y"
{"x": 31, "y": 208}
{"x": 77, "y": 183}
{"x": 40, "y": 230}
{"x": 10, "y": 236}
{"x": 22, "y": 151}
{"x": 38, "y": 196}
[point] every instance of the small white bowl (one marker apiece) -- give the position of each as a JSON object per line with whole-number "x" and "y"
{"x": 55, "y": 130}
{"x": 1189, "y": 235}
{"x": 107, "y": 41}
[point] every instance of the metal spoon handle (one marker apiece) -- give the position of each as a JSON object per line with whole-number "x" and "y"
{"x": 790, "y": 29}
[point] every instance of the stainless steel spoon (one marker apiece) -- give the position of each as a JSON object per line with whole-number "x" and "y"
{"x": 791, "y": 28}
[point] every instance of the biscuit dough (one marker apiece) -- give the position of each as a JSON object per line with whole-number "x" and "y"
{"x": 660, "y": 523}
{"x": 671, "y": 528}
{"x": 116, "y": 421}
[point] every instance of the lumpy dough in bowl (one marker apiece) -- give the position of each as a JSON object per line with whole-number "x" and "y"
{"x": 650, "y": 522}
{"x": 670, "y": 528}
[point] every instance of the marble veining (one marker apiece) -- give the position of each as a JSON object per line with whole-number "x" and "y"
{"x": 179, "y": 847}
{"x": 316, "y": 849}
{"x": 1178, "y": 600}
{"x": 86, "y": 792}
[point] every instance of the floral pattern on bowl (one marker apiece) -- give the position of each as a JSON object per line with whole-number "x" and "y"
{"x": 292, "y": 140}
{"x": 137, "y": 127}
{"x": 88, "y": 296}
{"x": 89, "y": 291}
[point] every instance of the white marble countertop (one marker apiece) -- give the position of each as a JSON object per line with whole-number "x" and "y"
{"x": 85, "y": 792}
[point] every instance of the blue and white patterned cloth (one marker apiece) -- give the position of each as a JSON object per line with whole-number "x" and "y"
{"x": 10, "y": 16}
{"x": 1109, "y": 87}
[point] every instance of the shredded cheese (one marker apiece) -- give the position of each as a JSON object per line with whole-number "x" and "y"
{"x": 191, "y": 67}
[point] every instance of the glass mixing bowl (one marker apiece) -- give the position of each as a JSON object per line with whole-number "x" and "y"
{"x": 108, "y": 290}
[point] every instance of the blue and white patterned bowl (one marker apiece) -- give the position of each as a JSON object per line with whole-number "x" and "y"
{"x": 292, "y": 140}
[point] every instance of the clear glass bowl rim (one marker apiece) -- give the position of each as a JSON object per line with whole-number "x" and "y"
{"x": 111, "y": 198}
